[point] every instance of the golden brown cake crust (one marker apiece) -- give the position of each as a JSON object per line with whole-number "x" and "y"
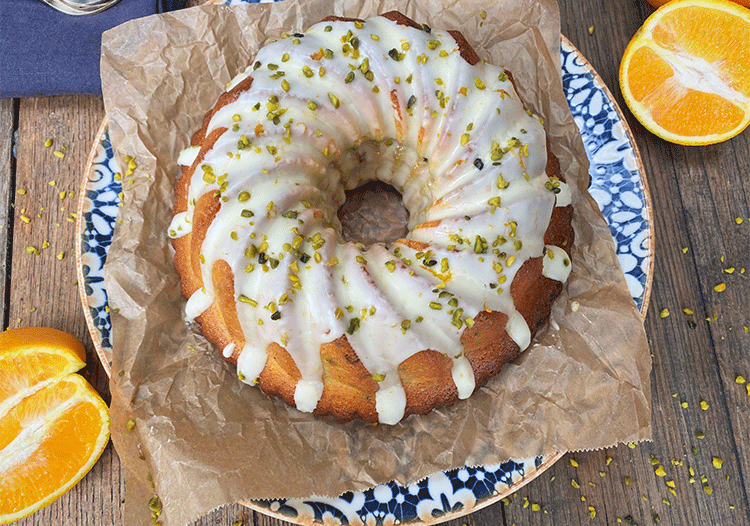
{"x": 349, "y": 388}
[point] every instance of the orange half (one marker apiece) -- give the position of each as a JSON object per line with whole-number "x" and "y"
{"x": 685, "y": 75}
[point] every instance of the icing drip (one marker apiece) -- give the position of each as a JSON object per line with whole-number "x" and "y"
{"x": 307, "y": 394}
{"x": 188, "y": 156}
{"x": 198, "y": 302}
{"x": 453, "y": 138}
{"x": 179, "y": 226}
{"x": 564, "y": 198}
{"x": 463, "y": 377}
{"x": 556, "y": 264}
{"x": 518, "y": 330}
{"x": 390, "y": 401}
{"x": 251, "y": 362}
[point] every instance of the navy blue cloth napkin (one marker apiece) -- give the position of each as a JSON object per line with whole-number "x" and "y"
{"x": 46, "y": 52}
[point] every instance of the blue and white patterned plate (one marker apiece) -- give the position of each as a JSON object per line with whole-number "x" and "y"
{"x": 617, "y": 183}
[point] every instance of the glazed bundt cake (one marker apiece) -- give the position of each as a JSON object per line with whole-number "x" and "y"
{"x": 379, "y": 332}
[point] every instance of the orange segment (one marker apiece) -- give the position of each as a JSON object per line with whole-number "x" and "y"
{"x": 659, "y": 3}
{"x": 707, "y": 35}
{"x": 31, "y": 356}
{"x": 686, "y": 73}
{"x": 53, "y": 428}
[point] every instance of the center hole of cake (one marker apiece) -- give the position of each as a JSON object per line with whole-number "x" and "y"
{"x": 373, "y": 213}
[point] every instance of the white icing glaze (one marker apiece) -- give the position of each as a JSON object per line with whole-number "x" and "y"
{"x": 250, "y": 363}
{"x": 179, "y": 226}
{"x": 453, "y": 138}
{"x": 463, "y": 377}
{"x": 198, "y": 302}
{"x": 188, "y": 156}
{"x": 390, "y": 401}
{"x": 518, "y": 330}
{"x": 564, "y": 197}
{"x": 556, "y": 264}
{"x": 307, "y": 394}
{"x": 228, "y": 350}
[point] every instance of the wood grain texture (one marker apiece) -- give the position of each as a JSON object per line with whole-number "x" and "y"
{"x": 42, "y": 287}
{"x": 7, "y": 114}
{"x": 698, "y": 193}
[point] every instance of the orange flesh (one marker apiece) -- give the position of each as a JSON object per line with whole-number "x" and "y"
{"x": 63, "y": 429}
{"x": 729, "y": 38}
{"x": 673, "y": 106}
{"x": 685, "y": 74}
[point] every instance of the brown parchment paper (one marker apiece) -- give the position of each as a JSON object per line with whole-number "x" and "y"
{"x": 201, "y": 438}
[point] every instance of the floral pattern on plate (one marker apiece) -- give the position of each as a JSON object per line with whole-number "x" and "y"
{"x": 617, "y": 184}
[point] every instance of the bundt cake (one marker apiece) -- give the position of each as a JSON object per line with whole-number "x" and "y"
{"x": 379, "y": 332}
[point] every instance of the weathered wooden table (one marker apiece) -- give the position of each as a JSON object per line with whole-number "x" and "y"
{"x": 701, "y": 225}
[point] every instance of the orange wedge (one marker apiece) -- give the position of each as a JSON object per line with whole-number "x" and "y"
{"x": 33, "y": 357}
{"x": 53, "y": 424}
{"x": 686, "y": 73}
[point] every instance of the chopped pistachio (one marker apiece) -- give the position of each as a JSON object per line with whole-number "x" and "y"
{"x": 353, "y": 327}
{"x": 244, "y": 299}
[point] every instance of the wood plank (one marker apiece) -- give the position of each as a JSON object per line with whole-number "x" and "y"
{"x": 233, "y": 514}
{"x": 7, "y": 111}
{"x": 42, "y": 289}
{"x": 694, "y": 364}
{"x": 714, "y": 193}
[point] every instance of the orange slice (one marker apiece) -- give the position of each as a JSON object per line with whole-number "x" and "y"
{"x": 33, "y": 357}
{"x": 686, "y": 73}
{"x": 53, "y": 424}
